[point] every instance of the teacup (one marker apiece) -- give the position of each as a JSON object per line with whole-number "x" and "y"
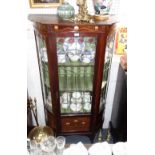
{"x": 87, "y": 95}
{"x": 63, "y": 101}
{"x": 87, "y": 99}
{"x": 65, "y": 96}
{"x": 76, "y": 95}
{"x": 87, "y": 58}
{"x": 74, "y": 55}
{"x": 44, "y": 54}
{"x": 61, "y": 58}
{"x": 87, "y": 106}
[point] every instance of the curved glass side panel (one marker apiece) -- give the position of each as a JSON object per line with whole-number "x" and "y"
{"x": 44, "y": 73}
{"x": 76, "y": 59}
{"x": 106, "y": 70}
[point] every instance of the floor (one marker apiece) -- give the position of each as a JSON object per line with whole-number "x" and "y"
{"x": 100, "y": 136}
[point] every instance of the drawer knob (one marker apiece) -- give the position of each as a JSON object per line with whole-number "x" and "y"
{"x": 76, "y": 28}
{"x": 67, "y": 123}
{"x": 75, "y": 121}
{"x": 96, "y": 27}
{"x": 56, "y": 27}
{"x": 83, "y": 123}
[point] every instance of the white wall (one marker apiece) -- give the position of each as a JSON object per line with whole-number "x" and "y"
{"x": 33, "y": 78}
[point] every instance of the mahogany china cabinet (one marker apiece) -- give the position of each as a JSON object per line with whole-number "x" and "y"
{"x": 71, "y": 62}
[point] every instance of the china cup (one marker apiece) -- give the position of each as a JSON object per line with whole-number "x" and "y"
{"x": 87, "y": 106}
{"x": 87, "y": 99}
{"x": 76, "y": 95}
{"x": 87, "y": 96}
{"x": 74, "y": 55}
{"x": 61, "y": 58}
{"x": 87, "y": 58}
{"x": 65, "y": 96}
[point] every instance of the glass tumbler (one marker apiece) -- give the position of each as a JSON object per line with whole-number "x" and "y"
{"x": 35, "y": 148}
{"x": 48, "y": 146}
{"x": 61, "y": 141}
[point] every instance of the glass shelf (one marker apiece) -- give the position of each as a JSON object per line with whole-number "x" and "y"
{"x": 75, "y": 78}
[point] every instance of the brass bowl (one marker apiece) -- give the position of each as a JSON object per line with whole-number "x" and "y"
{"x": 101, "y": 17}
{"x": 40, "y": 133}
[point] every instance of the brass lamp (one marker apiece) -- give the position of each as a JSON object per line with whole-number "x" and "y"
{"x": 39, "y": 133}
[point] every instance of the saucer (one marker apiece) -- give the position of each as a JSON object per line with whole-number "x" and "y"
{"x": 74, "y": 57}
{"x": 64, "y": 105}
{"x": 75, "y": 100}
{"x": 86, "y": 60}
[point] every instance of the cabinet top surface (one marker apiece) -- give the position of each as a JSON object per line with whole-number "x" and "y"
{"x": 54, "y": 19}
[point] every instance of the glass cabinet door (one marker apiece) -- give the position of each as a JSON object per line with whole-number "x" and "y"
{"x": 76, "y": 60}
{"x": 44, "y": 73}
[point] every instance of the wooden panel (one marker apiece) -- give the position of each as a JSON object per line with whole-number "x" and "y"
{"x": 51, "y": 120}
{"x": 75, "y": 124}
{"x": 53, "y": 19}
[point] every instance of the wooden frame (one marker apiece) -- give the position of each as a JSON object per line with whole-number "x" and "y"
{"x": 45, "y": 3}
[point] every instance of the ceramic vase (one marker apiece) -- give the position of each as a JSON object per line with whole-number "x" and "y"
{"x": 65, "y": 11}
{"x": 102, "y": 6}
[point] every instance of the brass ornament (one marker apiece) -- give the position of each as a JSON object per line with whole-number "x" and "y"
{"x": 83, "y": 15}
{"x": 38, "y": 133}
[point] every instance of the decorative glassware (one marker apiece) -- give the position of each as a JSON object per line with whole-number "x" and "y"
{"x": 60, "y": 141}
{"x": 65, "y": 11}
{"x": 48, "y": 146}
{"x": 34, "y": 148}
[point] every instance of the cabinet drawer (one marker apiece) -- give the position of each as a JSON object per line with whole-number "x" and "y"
{"x": 75, "y": 124}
